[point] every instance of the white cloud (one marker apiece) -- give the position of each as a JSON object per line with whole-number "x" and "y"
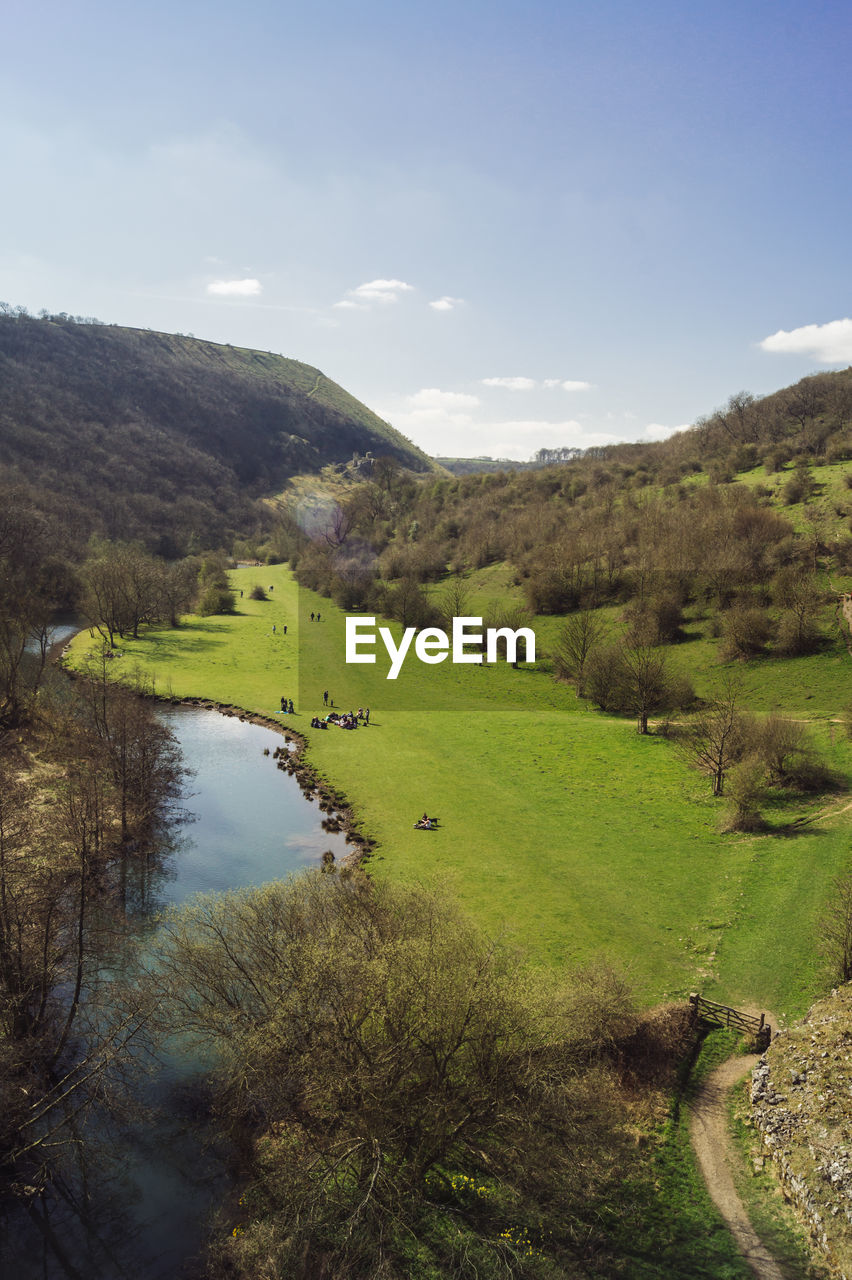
{"x": 430, "y": 399}
{"x": 446, "y": 303}
{"x": 656, "y": 431}
{"x": 446, "y": 424}
{"x": 829, "y": 343}
{"x": 347, "y": 305}
{"x": 529, "y": 384}
{"x": 567, "y": 384}
{"x": 511, "y": 384}
{"x": 520, "y": 439}
{"x": 430, "y": 412}
{"x": 235, "y": 288}
{"x": 380, "y": 290}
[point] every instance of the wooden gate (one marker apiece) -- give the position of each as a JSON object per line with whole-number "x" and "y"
{"x": 713, "y": 1014}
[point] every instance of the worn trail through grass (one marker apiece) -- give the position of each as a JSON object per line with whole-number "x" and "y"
{"x": 713, "y": 1150}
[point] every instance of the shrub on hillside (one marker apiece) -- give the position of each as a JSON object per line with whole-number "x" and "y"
{"x": 800, "y": 486}
{"x": 214, "y": 593}
{"x": 776, "y": 459}
{"x": 840, "y": 450}
{"x": 655, "y": 620}
{"x": 789, "y": 757}
{"x": 843, "y": 552}
{"x": 257, "y": 593}
{"x": 746, "y": 789}
{"x": 745, "y": 632}
{"x": 216, "y": 599}
{"x": 797, "y": 635}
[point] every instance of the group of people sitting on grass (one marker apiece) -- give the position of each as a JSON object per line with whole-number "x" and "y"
{"x": 343, "y": 720}
{"x": 426, "y": 823}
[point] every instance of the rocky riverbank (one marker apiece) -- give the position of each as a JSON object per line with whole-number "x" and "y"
{"x": 290, "y": 758}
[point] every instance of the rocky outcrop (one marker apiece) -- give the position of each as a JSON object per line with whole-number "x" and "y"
{"x": 802, "y": 1107}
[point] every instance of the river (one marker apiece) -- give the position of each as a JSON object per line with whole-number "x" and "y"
{"x": 140, "y": 1209}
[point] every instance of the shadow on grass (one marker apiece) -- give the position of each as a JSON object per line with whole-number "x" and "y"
{"x": 792, "y": 830}
{"x": 167, "y": 647}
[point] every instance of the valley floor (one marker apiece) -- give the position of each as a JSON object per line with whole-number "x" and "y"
{"x": 558, "y": 825}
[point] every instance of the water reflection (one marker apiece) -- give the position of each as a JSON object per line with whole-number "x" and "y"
{"x": 132, "y": 1192}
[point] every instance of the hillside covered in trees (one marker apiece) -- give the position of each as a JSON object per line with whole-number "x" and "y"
{"x": 810, "y": 419}
{"x": 163, "y": 438}
{"x": 716, "y": 511}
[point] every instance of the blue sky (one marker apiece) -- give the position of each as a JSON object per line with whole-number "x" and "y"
{"x": 502, "y": 226}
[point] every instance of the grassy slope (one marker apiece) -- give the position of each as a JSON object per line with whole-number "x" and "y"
{"x": 265, "y": 365}
{"x": 831, "y": 501}
{"x": 558, "y": 824}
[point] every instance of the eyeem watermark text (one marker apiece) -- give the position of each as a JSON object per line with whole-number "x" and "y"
{"x": 432, "y": 645}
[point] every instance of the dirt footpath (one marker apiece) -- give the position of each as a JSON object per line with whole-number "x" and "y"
{"x": 709, "y": 1133}
{"x": 846, "y": 609}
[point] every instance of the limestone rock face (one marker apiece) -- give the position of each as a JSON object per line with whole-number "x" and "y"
{"x": 801, "y": 1096}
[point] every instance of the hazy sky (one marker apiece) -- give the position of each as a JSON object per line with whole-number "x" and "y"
{"x": 500, "y": 225}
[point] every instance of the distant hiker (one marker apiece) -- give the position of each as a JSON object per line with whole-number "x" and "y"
{"x": 285, "y": 628}
{"x": 325, "y": 698}
{"x": 283, "y": 704}
{"x": 241, "y": 595}
{"x": 273, "y": 628}
{"x": 367, "y": 716}
{"x": 271, "y": 588}
{"x": 292, "y": 711}
{"x": 318, "y": 617}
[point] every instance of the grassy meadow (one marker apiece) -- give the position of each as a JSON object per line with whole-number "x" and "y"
{"x": 560, "y": 826}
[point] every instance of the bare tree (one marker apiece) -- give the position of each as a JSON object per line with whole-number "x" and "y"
{"x": 383, "y": 1041}
{"x": 715, "y": 739}
{"x": 647, "y": 682}
{"x": 836, "y": 930}
{"x": 582, "y": 633}
{"x": 796, "y": 592}
{"x": 454, "y": 601}
{"x": 26, "y": 604}
{"x": 138, "y": 754}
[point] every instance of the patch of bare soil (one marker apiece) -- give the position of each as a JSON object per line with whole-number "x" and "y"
{"x": 846, "y": 610}
{"x": 710, "y": 1140}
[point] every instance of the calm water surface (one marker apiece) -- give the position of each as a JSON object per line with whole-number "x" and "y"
{"x": 139, "y": 1210}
